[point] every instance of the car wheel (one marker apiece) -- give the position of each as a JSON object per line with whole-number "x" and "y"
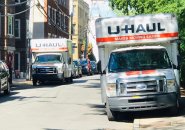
{"x": 71, "y": 79}
{"x": 34, "y": 82}
{"x": 7, "y": 90}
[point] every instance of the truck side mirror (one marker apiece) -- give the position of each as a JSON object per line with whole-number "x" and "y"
{"x": 179, "y": 60}
{"x": 176, "y": 67}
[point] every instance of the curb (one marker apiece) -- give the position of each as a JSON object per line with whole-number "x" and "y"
{"x": 136, "y": 124}
{"x": 169, "y": 123}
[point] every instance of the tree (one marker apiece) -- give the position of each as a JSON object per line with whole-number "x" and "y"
{"x": 177, "y": 7}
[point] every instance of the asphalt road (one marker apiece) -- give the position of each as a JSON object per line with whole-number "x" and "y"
{"x": 54, "y": 106}
{"x": 74, "y": 106}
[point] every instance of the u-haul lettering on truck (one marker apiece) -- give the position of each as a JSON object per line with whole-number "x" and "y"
{"x": 140, "y": 29}
{"x": 137, "y": 29}
{"x": 49, "y": 45}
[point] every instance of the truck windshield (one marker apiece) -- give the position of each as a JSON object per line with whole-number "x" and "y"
{"x": 139, "y": 60}
{"x": 48, "y": 58}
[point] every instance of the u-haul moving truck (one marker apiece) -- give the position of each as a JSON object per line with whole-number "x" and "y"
{"x": 52, "y": 60}
{"x": 139, "y": 61}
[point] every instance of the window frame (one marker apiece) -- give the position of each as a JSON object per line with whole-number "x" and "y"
{"x": 18, "y": 29}
{"x": 49, "y": 14}
{"x": 10, "y": 30}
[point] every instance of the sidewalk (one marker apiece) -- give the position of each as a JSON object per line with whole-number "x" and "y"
{"x": 169, "y": 123}
{"x": 21, "y": 81}
{"x": 164, "y": 123}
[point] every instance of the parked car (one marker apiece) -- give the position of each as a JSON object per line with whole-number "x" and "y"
{"x": 94, "y": 67}
{"x": 75, "y": 70}
{"x": 4, "y": 78}
{"x": 86, "y": 67}
{"x": 77, "y": 63}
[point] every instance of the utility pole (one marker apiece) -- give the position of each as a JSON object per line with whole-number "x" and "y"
{"x": 86, "y": 44}
{"x": 71, "y": 19}
{"x": 5, "y": 28}
{"x": 29, "y": 37}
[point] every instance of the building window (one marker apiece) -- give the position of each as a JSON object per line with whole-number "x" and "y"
{"x": 17, "y": 28}
{"x": 27, "y": 29}
{"x": 49, "y": 35}
{"x": 64, "y": 2}
{"x": 17, "y": 61}
{"x": 59, "y": 18}
{"x": 10, "y": 25}
{"x": 49, "y": 15}
{"x": 62, "y": 21}
{"x": 55, "y": 14}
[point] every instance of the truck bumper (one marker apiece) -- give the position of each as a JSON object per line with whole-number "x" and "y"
{"x": 141, "y": 103}
{"x": 48, "y": 77}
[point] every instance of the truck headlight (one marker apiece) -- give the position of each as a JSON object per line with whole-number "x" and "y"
{"x": 171, "y": 85}
{"x": 111, "y": 89}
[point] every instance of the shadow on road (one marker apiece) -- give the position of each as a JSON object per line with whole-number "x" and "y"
{"x": 130, "y": 116}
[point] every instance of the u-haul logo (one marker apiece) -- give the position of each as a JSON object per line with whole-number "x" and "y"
{"x": 50, "y": 44}
{"x": 137, "y": 29}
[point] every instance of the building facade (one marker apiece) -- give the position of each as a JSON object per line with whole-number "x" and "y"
{"x": 80, "y": 28}
{"x": 23, "y": 20}
{"x": 49, "y": 19}
{"x": 20, "y": 34}
{"x": 7, "y": 39}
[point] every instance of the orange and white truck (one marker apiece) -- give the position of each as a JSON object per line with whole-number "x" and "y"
{"x": 139, "y": 63}
{"x": 51, "y": 60}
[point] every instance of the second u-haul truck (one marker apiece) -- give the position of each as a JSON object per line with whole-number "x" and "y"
{"x": 51, "y": 60}
{"x": 139, "y": 63}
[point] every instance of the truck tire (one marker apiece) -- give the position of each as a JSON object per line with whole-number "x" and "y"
{"x": 34, "y": 81}
{"x": 111, "y": 115}
{"x": 174, "y": 111}
{"x": 71, "y": 79}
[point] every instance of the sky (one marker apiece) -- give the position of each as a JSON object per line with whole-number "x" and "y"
{"x": 98, "y": 8}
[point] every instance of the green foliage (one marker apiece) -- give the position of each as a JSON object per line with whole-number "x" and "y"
{"x": 177, "y": 7}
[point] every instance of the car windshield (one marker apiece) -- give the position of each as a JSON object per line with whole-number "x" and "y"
{"x": 93, "y": 63}
{"x": 48, "y": 58}
{"x": 83, "y": 62}
{"x": 139, "y": 60}
{"x": 76, "y": 63}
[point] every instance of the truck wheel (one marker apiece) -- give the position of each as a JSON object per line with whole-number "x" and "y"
{"x": 34, "y": 82}
{"x": 71, "y": 79}
{"x": 111, "y": 115}
{"x": 175, "y": 109}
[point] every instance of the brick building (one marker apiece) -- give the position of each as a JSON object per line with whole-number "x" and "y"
{"x": 49, "y": 19}
{"x": 21, "y": 20}
{"x": 7, "y": 39}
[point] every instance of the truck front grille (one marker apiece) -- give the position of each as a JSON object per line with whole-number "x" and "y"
{"x": 48, "y": 70}
{"x": 141, "y": 86}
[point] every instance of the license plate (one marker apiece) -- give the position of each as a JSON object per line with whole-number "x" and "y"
{"x": 136, "y": 96}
